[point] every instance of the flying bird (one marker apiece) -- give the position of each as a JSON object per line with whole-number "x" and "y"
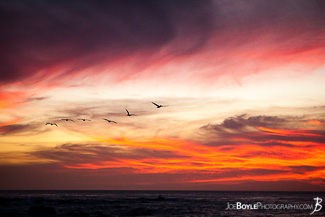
{"x": 129, "y": 113}
{"x": 66, "y": 119}
{"x": 159, "y": 106}
{"x": 51, "y": 124}
{"x": 109, "y": 121}
{"x": 83, "y": 119}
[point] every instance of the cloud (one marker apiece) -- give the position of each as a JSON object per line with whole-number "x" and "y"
{"x": 284, "y": 131}
{"x": 164, "y": 162}
{"x": 51, "y": 40}
{"x": 243, "y": 121}
{"x": 52, "y": 176}
{"x": 105, "y": 155}
{"x": 234, "y": 173}
{"x": 20, "y": 129}
{"x": 304, "y": 168}
{"x": 38, "y": 98}
{"x": 274, "y": 154}
{"x": 39, "y": 35}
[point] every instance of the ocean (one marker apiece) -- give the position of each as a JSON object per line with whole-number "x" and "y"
{"x": 159, "y": 203}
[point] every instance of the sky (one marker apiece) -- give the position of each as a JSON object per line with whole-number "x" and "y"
{"x": 243, "y": 81}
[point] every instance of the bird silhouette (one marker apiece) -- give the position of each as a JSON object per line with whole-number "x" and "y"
{"x": 51, "y": 124}
{"x": 83, "y": 119}
{"x": 109, "y": 121}
{"x": 128, "y": 113}
{"x": 66, "y": 119}
{"x": 159, "y": 106}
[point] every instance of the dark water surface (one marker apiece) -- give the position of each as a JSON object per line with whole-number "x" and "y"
{"x": 154, "y": 203}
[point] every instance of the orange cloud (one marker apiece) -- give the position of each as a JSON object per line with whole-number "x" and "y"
{"x": 265, "y": 154}
{"x": 11, "y": 99}
{"x": 250, "y": 152}
{"x": 216, "y": 160}
{"x": 314, "y": 122}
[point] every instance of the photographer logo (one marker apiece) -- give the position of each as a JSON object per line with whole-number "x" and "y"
{"x": 317, "y": 207}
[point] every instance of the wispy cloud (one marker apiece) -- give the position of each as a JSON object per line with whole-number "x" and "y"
{"x": 103, "y": 155}
{"x": 53, "y": 34}
{"x": 47, "y": 40}
{"x": 21, "y": 129}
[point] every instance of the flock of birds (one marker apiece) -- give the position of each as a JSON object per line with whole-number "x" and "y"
{"x": 109, "y": 121}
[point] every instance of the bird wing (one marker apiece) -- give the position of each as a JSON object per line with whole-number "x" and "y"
{"x": 155, "y": 104}
{"x": 55, "y": 124}
{"x": 48, "y": 123}
{"x": 127, "y": 111}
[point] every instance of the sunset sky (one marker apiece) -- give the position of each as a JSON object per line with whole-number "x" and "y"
{"x": 244, "y": 81}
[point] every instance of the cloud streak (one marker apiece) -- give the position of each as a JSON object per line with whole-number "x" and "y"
{"x": 20, "y": 129}
{"x": 41, "y": 35}
{"x": 47, "y": 40}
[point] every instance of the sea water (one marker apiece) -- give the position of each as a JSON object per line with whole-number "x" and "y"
{"x": 159, "y": 203}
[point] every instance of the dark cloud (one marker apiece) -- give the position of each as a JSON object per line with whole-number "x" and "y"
{"x": 231, "y": 173}
{"x": 21, "y": 129}
{"x": 273, "y": 155}
{"x": 290, "y": 26}
{"x": 39, "y": 98}
{"x": 316, "y": 136}
{"x": 255, "y": 128}
{"x": 241, "y": 123}
{"x": 40, "y": 34}
{"x": 73, "y": 154}
{"x": 37, "y": 35}
{"x": 273, "y": 13}
{"x": 303, "y": 168}
{"x": 10, "y": 129}
{"x": 275, "y": 143}
{"x": 53, "y": 176}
